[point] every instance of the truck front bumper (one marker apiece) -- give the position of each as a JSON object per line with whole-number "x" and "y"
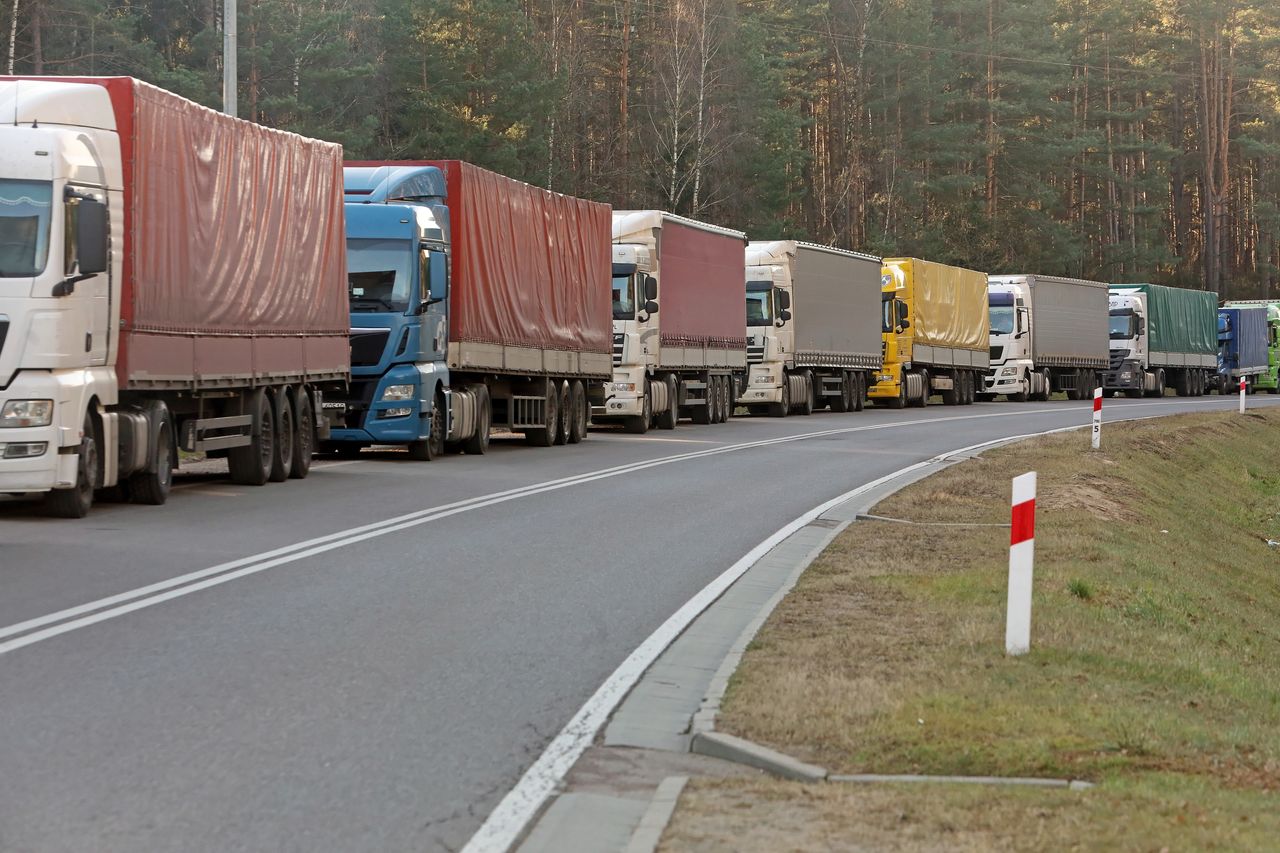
{"x": 619, "y": 405}
{"x": 30, "y": 457}
{"x": 1125, "y": 379}
{"x": 756, "y": 395}
{"x": 886, "y": 386}
{"x": 996, "y": 381}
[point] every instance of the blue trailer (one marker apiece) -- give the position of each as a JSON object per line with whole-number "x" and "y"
{"x": 1243, "y": 342}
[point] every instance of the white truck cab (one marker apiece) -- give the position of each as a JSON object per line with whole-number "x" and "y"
{"x": 635, "y": 334}
{"x": 1012, "y": 370}
{"x": 1129, "y": 343}
{"x": 60, "y": 171}
{"x": 769, "y": 337}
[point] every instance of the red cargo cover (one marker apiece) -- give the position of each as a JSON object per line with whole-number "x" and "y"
{"x": 235, "y": 263}
{"x": 701, "y": 293}
{"x": 531, "y": 268}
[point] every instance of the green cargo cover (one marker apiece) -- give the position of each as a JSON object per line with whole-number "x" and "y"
{"x": 1180, "y": 320}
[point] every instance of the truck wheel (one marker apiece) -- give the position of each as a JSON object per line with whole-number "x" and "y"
{"x": 781, "y": 410}
{"x": 431, "y": 447}
{"x": 76, "y": 501}
{"x": 713, "y": 399}
{"x": 705, "y": 414}
{"x": 478, "y": 443}
{"x": 152, "y": 487}
{"x": 304, "y": 441}
{"x": 577, "y": 412}
{"x": 545, "y": 435}
{"x": 842, "y": 402}
{"x": 859, "y": 393}
{"x": 566, "y": 415}
{"x": 282, "y": 464}
{"x": 726, "y": 399}
{"x": 949, "y": 398}
{"x": 667, "y": 419}
{"x": 805, "y": 406}
{"x": 966, "y": 388}
{"x": 250, "y": 464}
{"x": 1025, "y": 394}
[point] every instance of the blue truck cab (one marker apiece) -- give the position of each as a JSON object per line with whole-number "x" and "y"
{"x": 398, "y": 284}
{"x": 1244, "y": 339}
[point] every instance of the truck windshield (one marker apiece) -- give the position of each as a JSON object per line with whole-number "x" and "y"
{"x": 1123, "y": 325}
{"x": 624, "y": 297}
{"x": 378, "y": 274}
{"x": 759, "y": 303}
{"x": 1001, "y": 319}
{"x": 24, "y": 227}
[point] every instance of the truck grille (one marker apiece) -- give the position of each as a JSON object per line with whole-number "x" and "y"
{"x": 755, "y": 354}
{"x": 1117, "y": 358}
{"x": 997, "y": 353}
{"x": 618, "y": 343}
{"x": 367, "y": 346}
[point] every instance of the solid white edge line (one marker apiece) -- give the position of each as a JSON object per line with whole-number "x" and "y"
{"x": 509, "y": 818}
{"x": 523, "y": 802}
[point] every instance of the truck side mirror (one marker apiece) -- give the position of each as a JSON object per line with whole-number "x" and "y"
{"x": 650, "y": 291}
{"x": 650, "y": 307}
{"x": 783, "y": 316}
{"x": 784, "y": 301}
{"x": 437, "y": 270}
{"x": 91, "y": 236}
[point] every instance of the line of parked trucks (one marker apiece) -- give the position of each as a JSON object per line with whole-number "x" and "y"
{"x": 173, "y": 279}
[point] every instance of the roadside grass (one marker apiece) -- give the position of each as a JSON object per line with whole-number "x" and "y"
{"x": 1155, "y": 662}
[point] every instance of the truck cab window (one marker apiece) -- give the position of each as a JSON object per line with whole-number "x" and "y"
{"x": 624, "y": 297}
{"x": 378, "y": 274}
{"x": 760, "y": 303}
{"x": 25, "y": 208}
{"x": 886, "y": 313}
{"x": 1123, "y": 326}
{"x": 1002, "y": 319}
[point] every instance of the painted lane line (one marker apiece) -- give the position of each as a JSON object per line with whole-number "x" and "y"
{"x": 512, "y": 814}
{"x": 110, "y": 607}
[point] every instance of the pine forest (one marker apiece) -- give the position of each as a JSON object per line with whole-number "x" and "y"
{"x": 1118, "y": 140}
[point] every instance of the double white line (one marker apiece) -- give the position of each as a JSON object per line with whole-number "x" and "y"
{"x": 32, "y": 631}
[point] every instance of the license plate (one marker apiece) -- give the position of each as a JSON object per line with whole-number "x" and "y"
{"x": 339, "y": 406}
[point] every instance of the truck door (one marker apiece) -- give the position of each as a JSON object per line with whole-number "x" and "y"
{"x": 93, "y": 293}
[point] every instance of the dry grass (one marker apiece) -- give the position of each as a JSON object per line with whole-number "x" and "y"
{"x": 1155, "y": 667}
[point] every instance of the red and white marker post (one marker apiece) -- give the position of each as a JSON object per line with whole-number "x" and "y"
{"x": 1097, "y": 418}
{"x": 1243, "y": 383}
{"x": 1022, "y": 550}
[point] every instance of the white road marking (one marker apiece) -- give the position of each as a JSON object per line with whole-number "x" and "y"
{"x": 505, "y": 823}
{"x": 635, "y": 438}
{"x": 103, "y": 609}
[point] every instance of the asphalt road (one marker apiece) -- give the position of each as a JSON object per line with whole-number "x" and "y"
{"x": 381, "y": 689}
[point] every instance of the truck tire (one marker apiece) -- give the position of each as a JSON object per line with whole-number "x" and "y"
{"x": 806, "y": 404}
{"x": 566, "y": 415}
{"x": 286, "y": 432}
{"x": 151, "y": 487}
{"x": 859, "y": 391}
{"x": 781, "y": 410}
{"x": 639, "y": 424}
{"x": 726, "y": 398}
{"x": 76, "y": 501}
{"x": 667, "y": 418}
{"x": 843, "y": 402}
{"x": 577, "y": 412}
{"x": 705, "y": 414}
{"x": 251, "y": 464}
{"x": 304, "y": 441}
{"x": 545, "y": 435}
{"x": 949, "y": 398}
{"x": 1158, "y": 391}
{"x": 431, "y": 447}
{"x": 966, "y": 388}
{"x": 477, "y": 443}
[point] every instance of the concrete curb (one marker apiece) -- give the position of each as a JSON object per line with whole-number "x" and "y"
{"x": 740, "y": 751}
{"x": 1072, "y": 784}
{"x": 663, "y": 805}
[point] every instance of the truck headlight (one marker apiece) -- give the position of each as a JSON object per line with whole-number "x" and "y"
{"x": 628, "y": 387}
{"x": 23, "y": 449}
{"x": 395, "y": 413}
{"x": 1008, "y": 371}
{"x": 398, "y": 392}
{"x": 26, "y": 413}
{"x": 764, "y": 380}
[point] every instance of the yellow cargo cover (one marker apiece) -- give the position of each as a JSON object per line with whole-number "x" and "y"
{"x": 948, "y": 305}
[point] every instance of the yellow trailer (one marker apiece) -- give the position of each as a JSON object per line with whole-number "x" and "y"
{"x": 935, "y": 325}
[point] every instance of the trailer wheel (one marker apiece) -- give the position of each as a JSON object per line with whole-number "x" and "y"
{"x": 966, "y": 388}
{"x": 152, "y": 486}
{"x": 577, "y": 412}
{"x": 545, "y": 435}
{"x": 566, "y": 415}
{"x": 669, "y": 418}
{"x": 282, "y": 464}
{"x": 726, "y": 399}
{"x": 431, "y": 447}
{"x": 304, "y": 441}
{"x": 76, "y": 501}
{"x": 859, "y": 394}
{"x": 843, "y": 402}
{"x": 251, "y": 464}
{"x": 805, "y": 404}
{"x": 478, "y": 442}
